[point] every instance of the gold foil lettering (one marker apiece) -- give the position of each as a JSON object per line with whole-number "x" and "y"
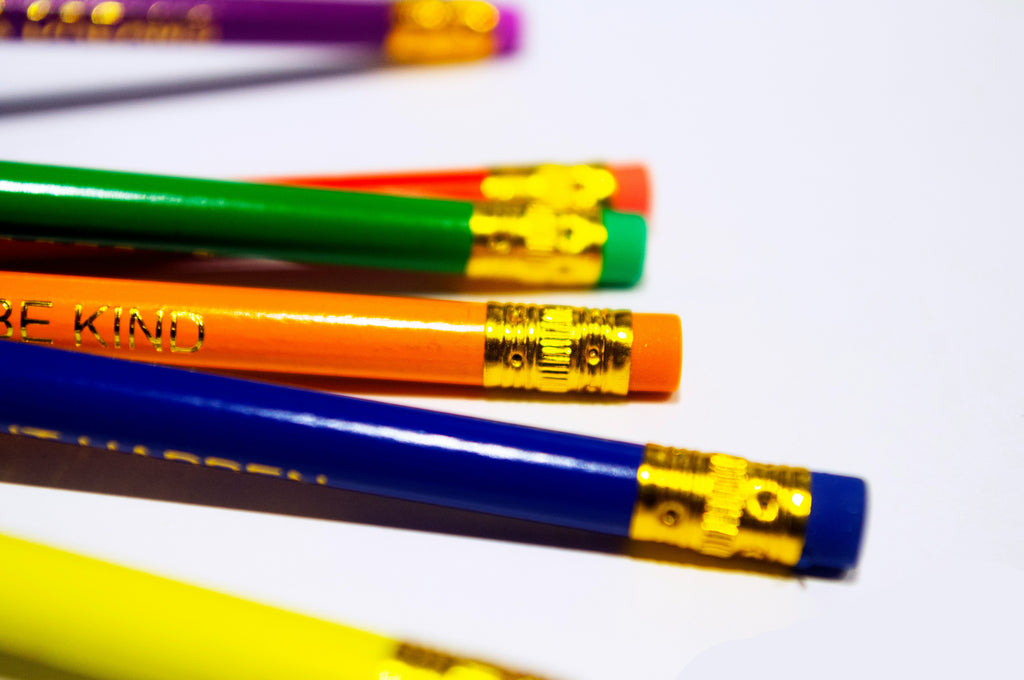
{"x": 25, "y": 321}
{"x": 39, "y": 433}
{"x": 107, "y": 21}
{"x": 107, "y": 13}
{"x": 197, "y": 319}
{"x": 258, "y": 469}
{"x": 154, "y": 338}
{"x": 5, "y": 319}
{"x": 88, "y": 323}
{"x": 38, "y": 10}
{"x": 117, "y": 327}
{"x": 223, "y": 463}
{"x": 171, "y": 454}
{"x": 33, "y": 432}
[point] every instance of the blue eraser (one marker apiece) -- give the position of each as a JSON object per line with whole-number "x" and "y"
{"x": 836, "y": 523}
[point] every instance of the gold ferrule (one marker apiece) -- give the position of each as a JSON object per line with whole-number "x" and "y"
{"x": 558, "y": 349}
{"x": 434, "y": 30}
{"x": 566, "y": 187}
{"x": 536, "y": 244}
{"x": 412, "y": 662}
{"x": 721, "y": 505}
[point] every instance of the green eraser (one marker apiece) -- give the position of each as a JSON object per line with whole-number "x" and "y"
{"x": 624, "y": 250}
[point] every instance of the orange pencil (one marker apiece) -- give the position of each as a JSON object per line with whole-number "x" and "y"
{"x": 551, "y": 348}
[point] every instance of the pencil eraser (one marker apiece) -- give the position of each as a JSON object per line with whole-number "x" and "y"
{"x": 632, "y": 188}
{"x": 508, "y": 32}
{"x": 836, "y": 523}
{"x": 623, "y": 256}
{"x": 656, "y": 360}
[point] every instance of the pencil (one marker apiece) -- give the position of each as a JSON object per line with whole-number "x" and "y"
{"x": 716, "y": 504}
{"x": 580, "y": 186}
{"x": 552, "y": 348}
{"x": 527, "y": 242}
{"x": 406, "y": 31}
{"x": 110, "y": 622}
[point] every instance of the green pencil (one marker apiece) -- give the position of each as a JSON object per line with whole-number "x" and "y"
{"x": 528, "y": 242}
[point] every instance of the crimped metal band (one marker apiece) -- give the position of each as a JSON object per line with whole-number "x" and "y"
{"x": 411, "y": 662}
{"x": 535, "y": 243}
{"x": 558, "y": 349}
{"x": 566, "y": 187}
{"x": 721, "y": 505}
{"x": 431, "y": 30}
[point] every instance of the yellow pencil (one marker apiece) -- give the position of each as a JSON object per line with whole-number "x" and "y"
{"x": 113, "y": 623}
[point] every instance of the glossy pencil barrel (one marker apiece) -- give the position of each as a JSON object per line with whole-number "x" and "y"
{"x": 109, "y": 622}
{"x": 184, "y": 214}
{"x": 359, "y": 336}
{"x": 578, "y": 186}
{"x": 354, "y": 444}
{"x": 529, "y": 243}
{"x": 415, "y": 30}
{"x": 717, "y": 504}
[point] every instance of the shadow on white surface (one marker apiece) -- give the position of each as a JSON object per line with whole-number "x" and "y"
{"x": 13, "y": 668}
{"x": 50, "y": 464}
{"x": 121, "y": 93}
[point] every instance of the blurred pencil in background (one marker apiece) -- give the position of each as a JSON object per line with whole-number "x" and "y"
{"x": 624, "y": 187}
{"x": 405, "y": 31}
{"x": 109, "y": 622}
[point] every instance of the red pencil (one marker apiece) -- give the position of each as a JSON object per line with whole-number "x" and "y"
{"x": 624, "y": 187}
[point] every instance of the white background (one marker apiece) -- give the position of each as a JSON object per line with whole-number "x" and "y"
{"x": 838, "y": 222}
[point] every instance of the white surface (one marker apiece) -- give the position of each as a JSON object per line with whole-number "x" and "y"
{"x": 838, "y": 222}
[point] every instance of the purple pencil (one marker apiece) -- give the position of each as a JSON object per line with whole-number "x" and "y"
{"x": 407, "y": 30}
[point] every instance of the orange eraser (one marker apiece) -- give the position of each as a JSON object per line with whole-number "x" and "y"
{"x": 633, "y": 188}
{"x": 656, "y": 363}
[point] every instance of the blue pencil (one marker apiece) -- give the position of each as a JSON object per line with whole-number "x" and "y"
{"x": 716, "y": 504}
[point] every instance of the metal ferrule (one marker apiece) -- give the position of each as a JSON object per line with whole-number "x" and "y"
{"x": 537, "y": 244}
{"x": 411, "y": 662}
{"x": 567, "y": 187}
{"x": 432, "y": 30}
{"x": 558, "y": 349}
{"x": 721, "y": 505}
